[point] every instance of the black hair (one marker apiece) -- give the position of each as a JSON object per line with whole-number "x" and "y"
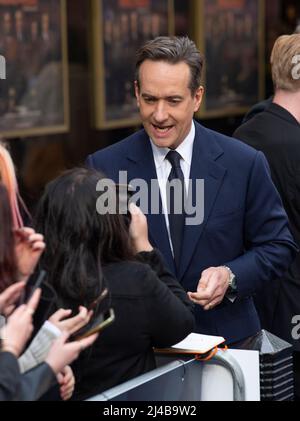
{"x": 79, "y": 240}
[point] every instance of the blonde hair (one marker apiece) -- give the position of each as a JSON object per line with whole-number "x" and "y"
{"x": 286, "y": 47}
{"x": 8, "y": 178}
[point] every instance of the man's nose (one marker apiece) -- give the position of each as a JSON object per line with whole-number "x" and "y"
{"x": 160, "y": 113}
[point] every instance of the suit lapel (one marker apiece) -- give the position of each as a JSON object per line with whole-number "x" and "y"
{"x": 142, "y": 167}
{"x": 204, "y": 167}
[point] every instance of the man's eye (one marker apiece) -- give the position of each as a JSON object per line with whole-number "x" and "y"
{"x": 174, "y": 101}
{"x": 149, "y": 100}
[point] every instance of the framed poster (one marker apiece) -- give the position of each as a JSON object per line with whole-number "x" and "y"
{"x": 120, "y": 27}
{"x": 230, "y": 33}
{"x": 34, "y": 95}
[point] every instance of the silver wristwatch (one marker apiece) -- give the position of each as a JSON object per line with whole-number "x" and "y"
{"x": 232, "y": 286}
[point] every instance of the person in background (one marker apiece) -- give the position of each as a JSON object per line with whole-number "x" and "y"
{"x": 262, "y": 105}
{"x": 276, "y": 132}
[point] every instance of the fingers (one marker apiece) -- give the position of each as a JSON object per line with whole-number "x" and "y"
{"x": 213, "y": 303}
{"x": 212, "y": 285}
{"x": 197, "y": 298}
{"x": 66, "y": 381}
{"x": 86, "y": 342}
{"x": 132, "y": 209}
{"x": 208, "y": 304}
{"x": 19, "y": 311}
{"x": 203, "y": 282}
{"x": 35, "y": 240}
{"x": 207, "y": 293}
{"x": 7, "y": 311}
{"x": 72, "y": 324}
{"x": 62, "y": 339}
{"x": 34, "y": 300}
{"x": 137, "y": 216}
{"x": 80, "y": 320}
{"x": 60, "y": 378}
{"x": 10, "y": 295}
{"x": 24, "y": 233}
{"x": 62, "y": 353}
{"x": 66, "y": 391}
{"x": 211, "y": 288}
{"x": 59, "y": 315}
{"x": 13, "y": 289}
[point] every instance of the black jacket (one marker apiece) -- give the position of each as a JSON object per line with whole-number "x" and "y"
{"x": 151, "y": 309}
{"x": 276, "y": 133}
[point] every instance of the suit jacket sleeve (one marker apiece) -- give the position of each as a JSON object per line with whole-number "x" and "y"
{"x": 269, "y": 245}
{"x": 169, "y": 311}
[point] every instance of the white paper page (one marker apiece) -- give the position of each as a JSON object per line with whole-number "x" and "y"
{"x": 198, "y": 342}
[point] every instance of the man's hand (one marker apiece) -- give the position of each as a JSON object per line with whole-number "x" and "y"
{"x": 29, "y": 247}
{"x": 211, "y": 288}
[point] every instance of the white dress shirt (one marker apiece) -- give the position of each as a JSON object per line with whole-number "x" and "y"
{"x": 163, "y": 168}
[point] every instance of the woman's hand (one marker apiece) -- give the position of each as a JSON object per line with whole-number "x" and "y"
{"x": 62, "y": 354}
{"x": 138, "y": 229}
{"x": 29, "y": 247}
{"x": 66, "y": 381}
{"x": 19, "y": 326}
{"x": 9, "y": 296}
{"x": 71, "y": 324}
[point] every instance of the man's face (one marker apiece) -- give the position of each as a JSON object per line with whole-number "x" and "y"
{"x": 165, "y": 101}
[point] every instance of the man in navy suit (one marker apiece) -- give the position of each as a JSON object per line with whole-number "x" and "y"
{"x": 243, "y": 240}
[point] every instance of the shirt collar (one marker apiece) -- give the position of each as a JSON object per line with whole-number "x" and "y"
{"x": 185, "y": 149}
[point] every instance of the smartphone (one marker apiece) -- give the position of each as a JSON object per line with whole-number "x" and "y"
{"x": 99, "y": 323}
{"x": 32, "y": 286}
{"x": 98, "y": 300}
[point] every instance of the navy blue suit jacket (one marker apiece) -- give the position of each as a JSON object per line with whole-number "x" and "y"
{"x": 245, "y": 226}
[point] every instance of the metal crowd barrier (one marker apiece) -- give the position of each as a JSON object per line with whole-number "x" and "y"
{"x": 178, "y": 380}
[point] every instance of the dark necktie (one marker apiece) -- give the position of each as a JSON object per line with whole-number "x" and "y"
{"x": 175, "y": 201}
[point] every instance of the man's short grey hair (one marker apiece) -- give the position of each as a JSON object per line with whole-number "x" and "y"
{"x": 173, "y": 50}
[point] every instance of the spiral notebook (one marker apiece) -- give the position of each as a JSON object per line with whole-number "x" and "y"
{"x": 195, "y": 343}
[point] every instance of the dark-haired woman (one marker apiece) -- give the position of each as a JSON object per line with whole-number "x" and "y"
{"x": 87, "y": 251}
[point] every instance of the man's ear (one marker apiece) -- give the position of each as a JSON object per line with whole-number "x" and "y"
{"x": 137, "y": 92}
{"x": 198, "y": 98}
